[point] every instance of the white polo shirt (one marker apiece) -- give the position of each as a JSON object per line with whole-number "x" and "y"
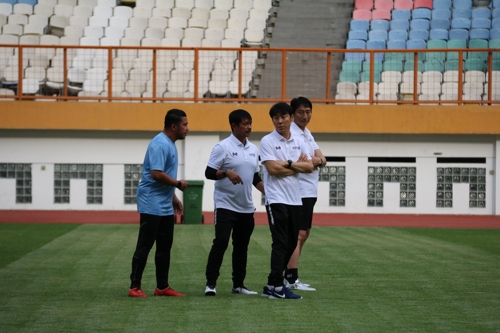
{"x": 308, "y": 181}
{"x": 230, "y": 153}
{"x": 274, "y": 147}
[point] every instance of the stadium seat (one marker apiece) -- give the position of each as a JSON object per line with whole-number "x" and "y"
{"x": 353, "y": 66}
{"x": 408, "y": 76}
{"x": 479, "y": 34}
{"x": 355, "y": 45}
{"x": 475, "y": 77}
{"x": 391, "y": 76}
{"x": 422, "y": 4}
{"x": 395, "y": 45}
{"x": 480, "y": 23}
{"x": 399, "y": 35}
{"x": 403, "y": 4}
{"x": 377, "y": 35}
{"x": 476, "y": 64}
{"x": 379, "y": 25}
{"x": 409, "y": 65}
{"x": 359, "y": 35}
{"x": 400, "y": 25}
{"x": 383, "y": 5}
{"x": 381, "y": 14}
{"x": 376, "y": 45}
{"x": 349, "y": 77}
{"x": 449, "y": 88}
{"x": 461, "y": 13}
{"x": 434, "y": 65}
{"x": 473, "y": 88}
{"x": 421, "y": 13}
{"x": 460, "y": 23}
{"x": 495, "y": 23}
{"x": 378, "y": 66}
{"x": 462, "y": 4}
{"x": 365, "y": 77}
{"x": 438, "y": 34}
{"x": 451, "y": 76}
{"x": 419, "y": 24}
{"x": 495, "y": 44}
{"x": 436, "y": 44}
{"x": 440, "y": 24}
{"x": 442, "y": 4}
{"x": 362, "y": 14}
{"x": 419, "y": 34}
{"x": 393, "y": 65}
{"x": 481, "y": 12}
{"x": 462, "y": 34}
{"x": 478, "y": 44}
{"x": 416, "y": 44}
{"x": 441, "y": 14}
{"x": 494, "y": 34}
{"x": 401, "y": 14}
{"x": 359, "y": 25}
{"x": 363, "y": 4}
{"x": 495, "y": 13}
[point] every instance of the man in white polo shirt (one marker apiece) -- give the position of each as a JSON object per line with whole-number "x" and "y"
{"x": 234, "y": 165}
{"x": 302, "y": 112}
{"x": 284, "y": 157}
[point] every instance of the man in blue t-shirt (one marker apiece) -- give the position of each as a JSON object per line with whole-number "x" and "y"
{"x": 157, "y": 203}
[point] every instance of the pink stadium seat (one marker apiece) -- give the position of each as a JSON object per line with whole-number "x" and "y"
{"x": 403, "y": 4}
{"x": 422, "y": 4}
{"x": 362, "y": 14}
{"x": 384, "y": 4}
{"x": 363, "y": 4}
{"x": 380, "y": 14}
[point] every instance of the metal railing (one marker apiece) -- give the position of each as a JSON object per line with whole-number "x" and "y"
{"x": 257, "y": 74}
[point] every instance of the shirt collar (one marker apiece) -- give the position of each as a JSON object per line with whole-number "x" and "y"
{"x": 236, "y": 141}
{"x": 298, "y": 129}
{"x": 280, "y": 137}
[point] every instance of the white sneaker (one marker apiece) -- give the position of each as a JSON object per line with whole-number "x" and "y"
{"x": 243, "y": 290}
{"x": 210, "y": 291}
{"x": 287, "y": 284}
{"x": 300, "y": 286}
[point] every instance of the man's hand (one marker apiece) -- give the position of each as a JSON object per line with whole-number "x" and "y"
{"x": 233, "y": 177}
{"x": 178, "y": 209}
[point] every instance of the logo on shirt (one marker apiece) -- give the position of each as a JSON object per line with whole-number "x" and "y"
{"x": 278, "y": 147}
{"x": 235, "y": 154}
{"x": 296, "y": 148}
{"x": 253, "y": 155}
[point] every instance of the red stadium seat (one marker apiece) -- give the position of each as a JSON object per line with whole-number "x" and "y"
{"x": 384, "y": 4}
{"x": 422, "y": 4}
{"x": 362, "y": 14}
{"x": 379, "y": 14}
{"x": 403, "y": 4}
{"x": 363, "y": 4}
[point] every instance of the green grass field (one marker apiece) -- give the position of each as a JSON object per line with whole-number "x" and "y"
{"x": 74, "y": 278}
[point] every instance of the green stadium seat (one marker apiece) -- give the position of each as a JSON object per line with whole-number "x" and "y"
{"x": 455, "y": 44}
{"x": 393, "y": 65}
{"x": 378, "y": 66}
{"x": 409, "y": 65}
{"x": 351, "y": 65}
{"x": 348, "y": 76}
{"x": 365, "y": 76}
{"x": 436, "y": 44}
{"x": 475, "y": 64}
{"x": 434, "y": 65}
{"x": 478, "y": 44}
{"x": 495, "y": 44}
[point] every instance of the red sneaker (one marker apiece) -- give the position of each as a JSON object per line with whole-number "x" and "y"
{"x": 167, "y": 292}
{"x": 136, "y": 292}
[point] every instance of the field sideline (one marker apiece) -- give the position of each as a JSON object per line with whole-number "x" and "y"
{"x": 320, "y": 219}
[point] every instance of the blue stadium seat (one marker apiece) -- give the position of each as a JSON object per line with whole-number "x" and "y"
{"x": 496, "y": 3}
{"x": 355, "y": 45}
{"x": 460, "y": 23}
{"x": 438, "y": 34}
{"x": 441, "y": 14}
{"x": 459, "y": 34}
{"x": 461, "y": 13}
{"x": 441, "y": 4}
{"x": 481, "y": 12}
{"x": 416, "y": 44}
{"x": 375, "y": 45}
{"x": 359, "y": 25}
{"x": 495, "y": 34}
{"x": 479, "y": 34}
{"x": 440, "y": 24}
{"x": 395, "y": 45}
{"x": 377, "y": 35}
{"x": 399, "y": 35}
{"x": 358, "y": 35}
{"x": 495, "y": 23}
{"x": 481, "y": 23}
{"x": 401, "y": 14}
{"x": 420, "y": 24}
{"x": 29, "y": 2}
{"x": 495, "y": 13}
{"x": 379, "y": 25}
{"x": 462, "y": 3}
{"x": 421, "y": 13}
{"x": 400, "y": 25}
{"x": 12, "y": 2}
{"x": 419, "y": 34}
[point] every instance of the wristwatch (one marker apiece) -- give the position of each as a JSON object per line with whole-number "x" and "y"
{"x": 179, "y": 184}
{"x": 224, "y": 174}
{"x": 289, "y": 164}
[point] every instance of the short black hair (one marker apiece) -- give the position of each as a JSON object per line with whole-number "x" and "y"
{"x": 300, "y": 101}
{"x": 174, "y": 116}
{"x": 280, "y": 109}
{"x": 237, "y": 116}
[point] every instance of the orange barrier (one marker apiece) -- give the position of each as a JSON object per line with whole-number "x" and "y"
{"x": 286, "y": 72}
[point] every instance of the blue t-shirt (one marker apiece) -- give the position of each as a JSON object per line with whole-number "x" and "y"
{"x": 153, "y": 197}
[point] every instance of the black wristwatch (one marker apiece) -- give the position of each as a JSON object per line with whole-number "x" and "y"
{"x": 179, "y": 184}
{"x": 289, "y": 164}
{"x": 224, "y": 174}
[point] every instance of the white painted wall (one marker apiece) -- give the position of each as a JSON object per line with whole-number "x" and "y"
{"x": 43, "y": 149}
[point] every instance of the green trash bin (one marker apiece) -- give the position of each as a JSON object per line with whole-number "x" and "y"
{"x": 193, "y": 199}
